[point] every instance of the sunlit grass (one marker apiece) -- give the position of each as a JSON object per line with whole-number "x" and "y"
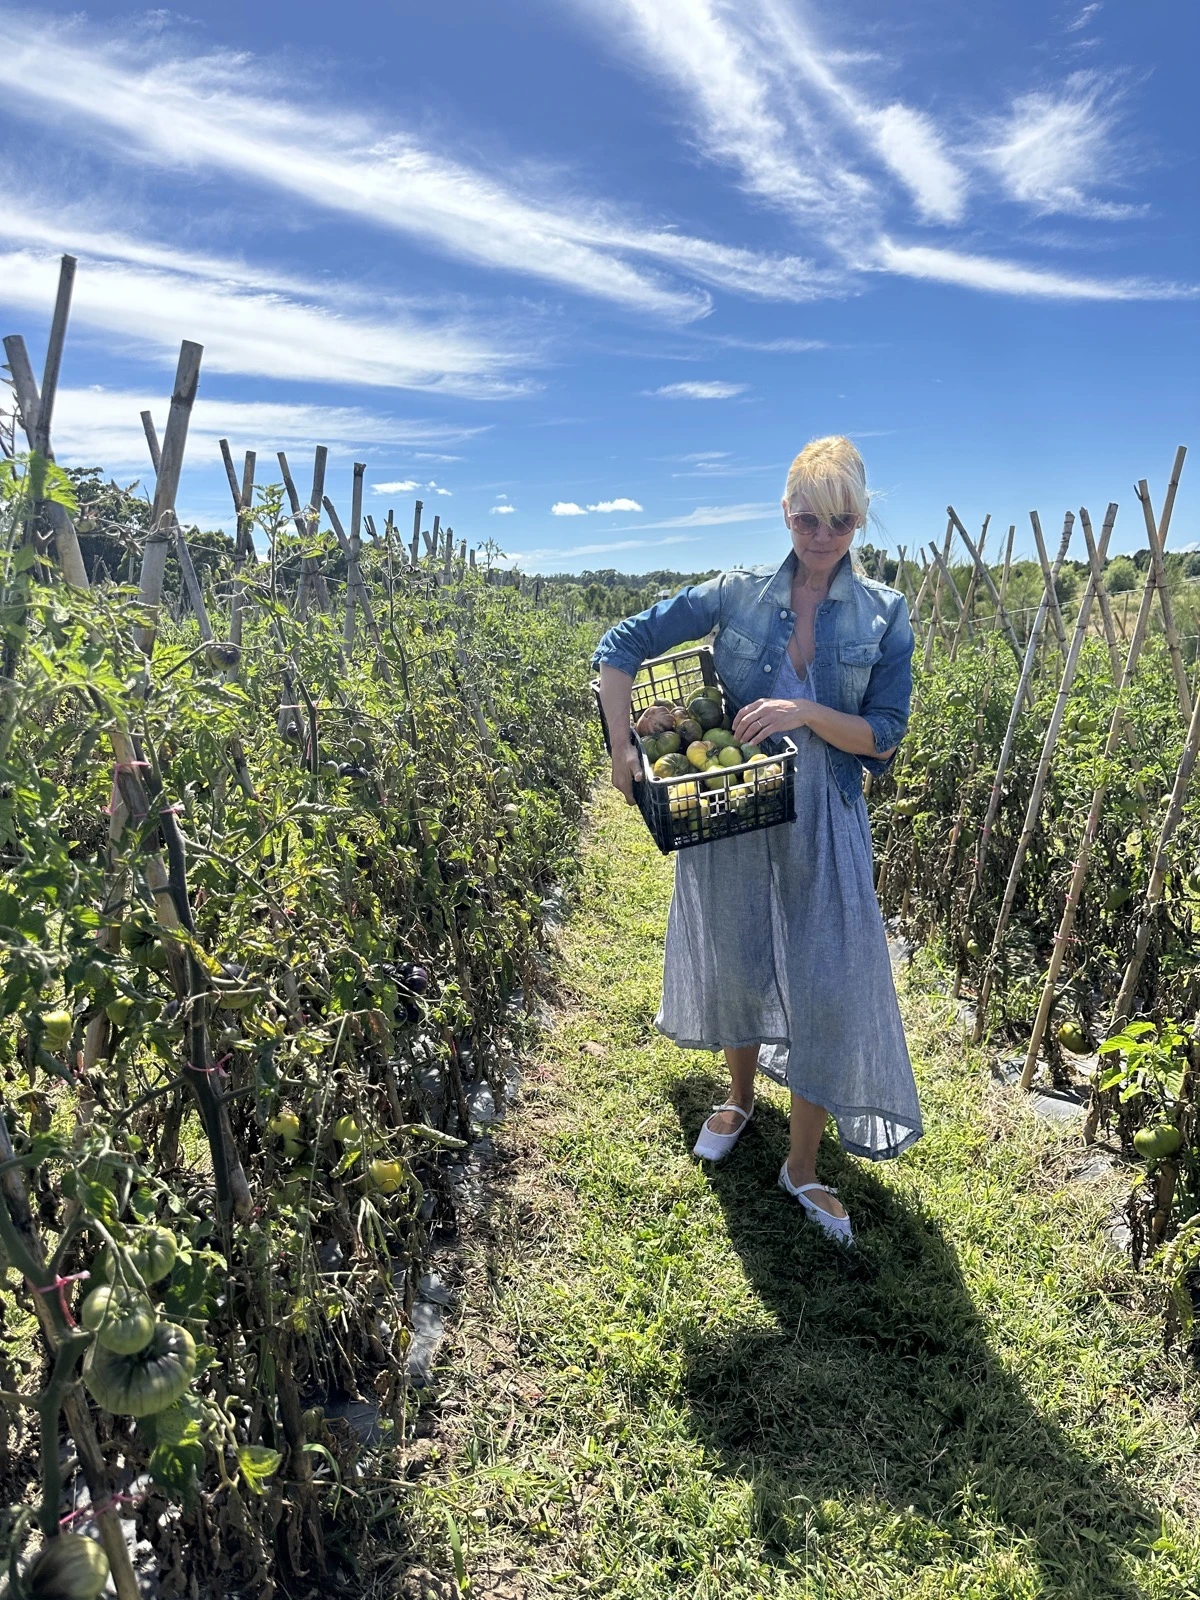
{"x": 665, "y": 1382}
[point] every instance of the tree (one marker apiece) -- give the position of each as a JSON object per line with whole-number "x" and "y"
{"x": 1121, "y": 575}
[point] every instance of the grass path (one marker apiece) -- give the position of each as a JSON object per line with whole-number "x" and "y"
{"x": 665, "y": 1383}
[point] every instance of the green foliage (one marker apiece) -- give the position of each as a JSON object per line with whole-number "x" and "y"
{"x": 928, "y": 818}
{"x": 1120, "y": 576}
{"x": 313, "y": 894}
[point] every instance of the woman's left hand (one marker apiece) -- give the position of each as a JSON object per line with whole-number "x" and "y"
{"x": 762, "y": 717}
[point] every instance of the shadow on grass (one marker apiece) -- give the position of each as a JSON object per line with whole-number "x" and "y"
{"x": 881, "y": 1386}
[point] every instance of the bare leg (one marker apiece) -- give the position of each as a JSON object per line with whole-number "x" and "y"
{"x": 808, "y": 1124}
{"x": 742, "y": 1064}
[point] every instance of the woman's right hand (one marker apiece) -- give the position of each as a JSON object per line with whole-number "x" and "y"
{"x": 626, "y": 770}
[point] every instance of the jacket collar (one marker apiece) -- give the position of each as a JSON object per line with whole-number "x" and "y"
{"x": 777, "y": 590}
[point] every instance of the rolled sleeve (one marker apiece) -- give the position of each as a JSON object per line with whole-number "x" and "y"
{"x": 888, "y": 698}
{"x": 691, "y": 614}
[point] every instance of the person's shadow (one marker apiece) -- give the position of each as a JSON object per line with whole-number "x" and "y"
{"x": 878, "y": 1384}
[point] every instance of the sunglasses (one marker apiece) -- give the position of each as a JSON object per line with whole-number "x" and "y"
{"x": 806, "y": 522}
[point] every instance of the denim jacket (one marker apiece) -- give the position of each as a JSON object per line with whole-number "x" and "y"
{"x": 863, "y": 661}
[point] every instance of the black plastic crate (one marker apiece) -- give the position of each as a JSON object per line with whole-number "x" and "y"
{"x": 704, "y": 806}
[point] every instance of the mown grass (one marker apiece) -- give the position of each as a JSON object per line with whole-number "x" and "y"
{"x": 665, "y": 1383}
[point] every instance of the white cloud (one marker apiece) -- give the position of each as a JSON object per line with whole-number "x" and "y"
{"x": 567, "y": 508}
{"x": 539, "y": 557}
{"x": 247, "y": 324}
{"x": 501, "y": 510}
{"x": 1012, "y": 277}
{"x": 103, "y": 426}
{"x": 1052, "y": 149}
{"x": 1084, "y": 16}
{"x": 404, "y": 486}
{"x": 698, "y": 391}
{"x": 908, "y": 142}
{"x": 437, "y": 489}
{"x": 719, "y": 516}
{"x": 229, "y": 114}
{"x": 615, "y": 505}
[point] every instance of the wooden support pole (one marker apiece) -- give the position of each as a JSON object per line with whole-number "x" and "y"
{"x": 66, "y": 540}
{"x": 1110, "y": 633}
{"x": 1158, "y": 873}
{"x": 1034, "y": 804}
{"x": 986, "y": 576}
{"x": 1158, "y": 570}
{"x": 968, "y": 612}
{"x": 1010, "y": 735}
{"x": 1066, "y": 926}
{"x": 1005, "y": 571}
{"x": 354, "y": 581}
{"x": 935, "y": 609}
{"x": 1055, "y": 610}
{"x": 151, "y": 433}
{"x": 54, "y": 351}
{"x": 416, "y": 533}
{"x": 162, "y": 512}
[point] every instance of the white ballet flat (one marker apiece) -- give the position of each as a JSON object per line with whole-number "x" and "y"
{"x": 836, "y": 1227}
{"x": 712, "y": 1146}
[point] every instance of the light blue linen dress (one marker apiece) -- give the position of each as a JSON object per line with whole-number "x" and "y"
{"x": 775, "y": 938}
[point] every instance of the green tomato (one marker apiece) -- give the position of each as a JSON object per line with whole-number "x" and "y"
{"x": 387, "y": 1176}
{"x": 56, "y": 1029}
{"x": 118, "y": 1011}
{"x": 69, "y": 1567}
{"x": 285, "y": 1126}
{"x": 121, "y": 1318}
{"x": 148, "y": 1381}
{"x": 1152, "y": 1144}
{"x": 346, "y": 1130}
{"x": 153, "y": 1253}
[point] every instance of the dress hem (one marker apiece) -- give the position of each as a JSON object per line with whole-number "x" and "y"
{"x": 838, "y": 1113}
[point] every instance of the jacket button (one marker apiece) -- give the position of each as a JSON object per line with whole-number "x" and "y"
{"x": 783, "y": 613}
{"x": 767, "y": 666}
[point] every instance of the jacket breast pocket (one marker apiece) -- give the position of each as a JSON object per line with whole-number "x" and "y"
{"x": 736, "y": 655}
{"x": 855, "y": 661}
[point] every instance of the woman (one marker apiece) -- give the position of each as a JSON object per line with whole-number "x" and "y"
{"x": 776, "y": 951}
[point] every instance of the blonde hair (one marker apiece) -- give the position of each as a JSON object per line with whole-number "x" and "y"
{"x": 830, "y": 474}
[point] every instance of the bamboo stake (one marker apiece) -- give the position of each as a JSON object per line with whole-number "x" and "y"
{"x": 1110, "y": 633}
{"x": 54, "y": 350}
{"x": 1027, "y": 667}
{"x": 948, "y": 579}
{"x": 191, "y": 582}
{"x": 1066, "y": 926}
{"x": 935, "y": 606}
{"x": 969, "y": 599}
{"x": 355, "y": 579}
{"x": 1160, "y": 583}
{"x": 1055, "y": 609}
{"x": 151, "y": 433}
{"x": 1170, "y": 823}
{"x": 1033, "y": 807}
{"x": 987, "y": 582}
{"x": 66, "y": 540}
{"x": 1005, "y": 571}
{"x": 162, "y": 512}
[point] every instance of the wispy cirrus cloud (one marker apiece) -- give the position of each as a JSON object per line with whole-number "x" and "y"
{"x": 1054, "y": 147}
{"x": 226, "y": 113}
{"x": 540, "y": 557}
{"x": 1011, "y": 277}
{"x": 104, "y": 426}
{"x": 251, "y": 320}
{"x": 699, "y": 390}
{"x": 764, "y": 95}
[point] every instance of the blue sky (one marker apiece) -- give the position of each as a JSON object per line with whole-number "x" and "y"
{"x": 585, "y": 274}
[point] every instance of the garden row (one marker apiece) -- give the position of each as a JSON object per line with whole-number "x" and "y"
{"x": 1041, "y": 823}
{"x": 275, "y": 877}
